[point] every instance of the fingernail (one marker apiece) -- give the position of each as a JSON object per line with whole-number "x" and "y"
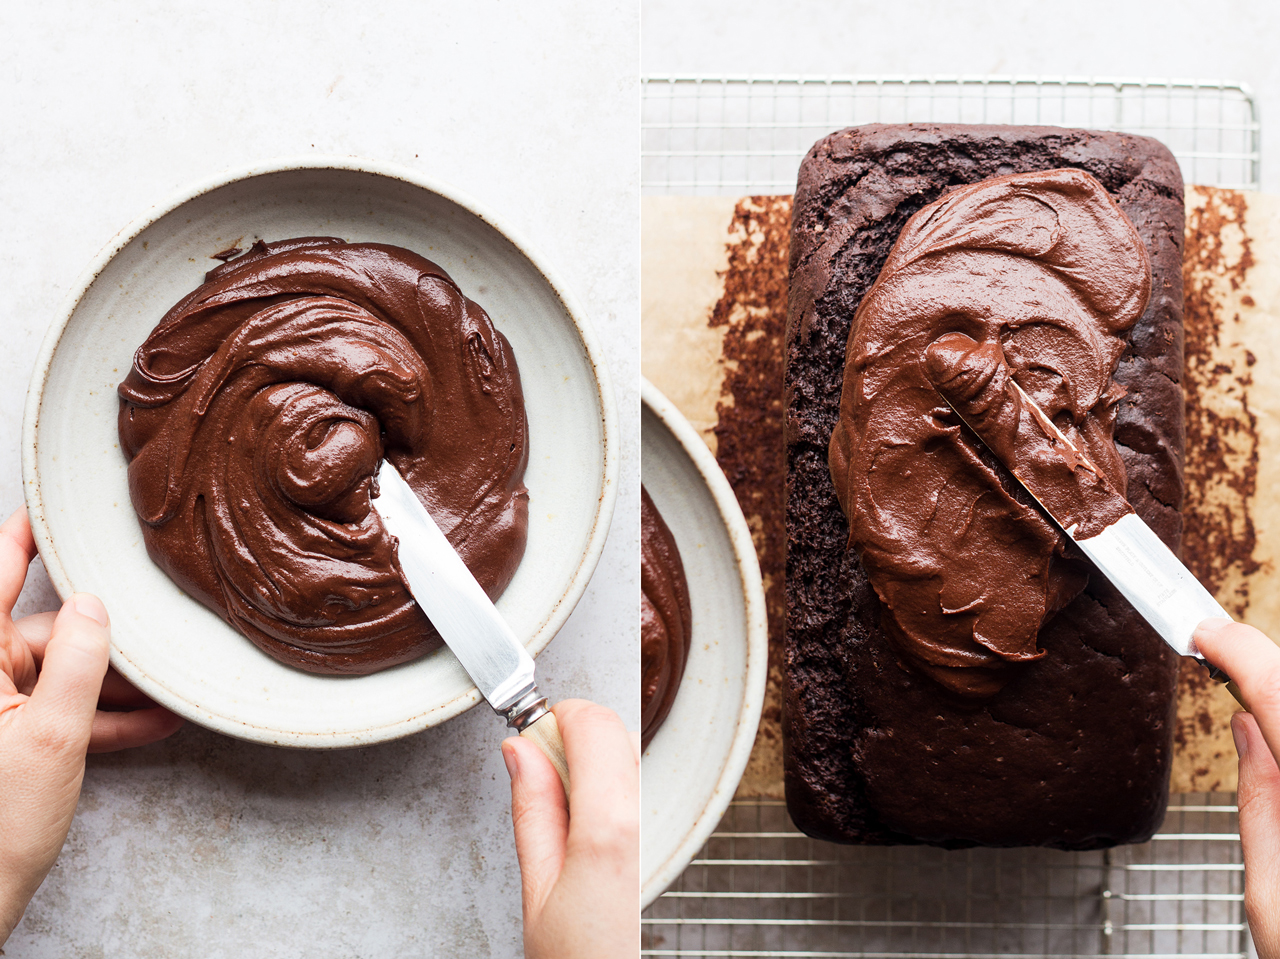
{"x": 509, "y": 757}
{"x": 1212, "y": 625}
{"x": 1240, "y": 736}
{"x": 86, "y": 604}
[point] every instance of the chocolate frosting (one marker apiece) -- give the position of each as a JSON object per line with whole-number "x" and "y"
{"x": 1039, "y": 274}
{"x": 665, "y": 619}
{"x": 254, "y": 419}
{"x": 976, "y": 382}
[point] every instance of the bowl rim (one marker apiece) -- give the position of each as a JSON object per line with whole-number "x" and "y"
{"x": 757, "y": 639}
{"x": 605, "y": 504}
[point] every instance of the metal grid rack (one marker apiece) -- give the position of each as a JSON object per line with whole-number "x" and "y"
{"x": 759, "y": 888}
{"x": 738, "y": 135}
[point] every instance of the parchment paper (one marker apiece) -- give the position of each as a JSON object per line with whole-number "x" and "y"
{"x": 713, "y": 316}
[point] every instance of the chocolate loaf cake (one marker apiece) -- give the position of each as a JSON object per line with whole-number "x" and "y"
{"x": 1064, "y": 737}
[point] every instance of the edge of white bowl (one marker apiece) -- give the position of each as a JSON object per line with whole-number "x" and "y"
{"x": 609, "y": 430}
{"x": 757, "y": 636}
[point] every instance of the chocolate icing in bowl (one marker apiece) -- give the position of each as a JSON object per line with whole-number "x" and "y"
{"x": 1040, "y": 274}
{"x": 666, "y": 619}
{"x": 254, "y": 418}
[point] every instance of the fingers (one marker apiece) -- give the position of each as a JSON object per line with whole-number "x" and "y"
{"x": 602, "y": 823}
{"x": 65, "y": 698}
{"x": 119, "y": 693}
{"x": 593, "y": 901}
{"x": 17, "y": 550}
{"x": 602, "y": 761}
{"x": 112, "y": 731}
{"x": 604, "y": 809}
{"x": 1259, "y": 801}
{"x": 1253, "y": 661}
{"x": 36, "y": 630}
{"x": 540, "y": 817}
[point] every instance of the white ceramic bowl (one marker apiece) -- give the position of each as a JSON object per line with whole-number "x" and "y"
{"x": 695, "y": 761}
{"x": 174, "y": 649}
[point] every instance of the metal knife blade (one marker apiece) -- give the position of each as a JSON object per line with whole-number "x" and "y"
{"x": 1127, "y": 552}
{"x": 458, "y": 606}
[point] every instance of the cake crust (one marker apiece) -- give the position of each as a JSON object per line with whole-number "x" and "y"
{"x": 1075, "y": 752}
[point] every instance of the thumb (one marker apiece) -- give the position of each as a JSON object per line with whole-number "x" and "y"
{"x": 1259, "y": 801}
{"x": 540, "y": 817}
{"x": 65, "y": 697}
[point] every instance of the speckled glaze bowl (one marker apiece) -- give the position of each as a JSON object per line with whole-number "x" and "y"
{"x": 174, "y": 649}
{"x": 695, "y": 761}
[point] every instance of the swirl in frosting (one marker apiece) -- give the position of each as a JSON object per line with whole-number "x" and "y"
{"x": 1040, "y": 274}
{"x": 665, "y": 619}
{"x": 254, "y": 419}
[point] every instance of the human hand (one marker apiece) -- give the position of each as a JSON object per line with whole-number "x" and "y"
{"x": 52, "y": 671}
{"x": 579, "y": 866}
{"x": 1253, "y": 661}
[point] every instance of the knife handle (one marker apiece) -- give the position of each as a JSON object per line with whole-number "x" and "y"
{"x": 1234, "y": 690}
{"x": 1219, "y": 676}
{"x": 545, "y": 734}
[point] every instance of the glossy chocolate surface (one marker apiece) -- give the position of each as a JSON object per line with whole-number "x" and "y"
{"x": 665, "y": 619}
{"x": 254, "y": 418}
{"x": 1041, "y": 273}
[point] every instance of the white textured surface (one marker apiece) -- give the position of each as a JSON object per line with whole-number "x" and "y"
{"x": 209, "y": 846}
{"x": 1228, "y": 40}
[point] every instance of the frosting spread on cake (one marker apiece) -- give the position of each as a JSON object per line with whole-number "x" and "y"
{"x": 254, "y": 419}
{"x": 665, "y": 619}
{"x": 976, "y": 382}
{"x": 1041, "y": 273}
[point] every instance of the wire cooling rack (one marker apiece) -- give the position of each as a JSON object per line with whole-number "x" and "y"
{"x": 738, "y": 135}
{"x": 759, "y": 888}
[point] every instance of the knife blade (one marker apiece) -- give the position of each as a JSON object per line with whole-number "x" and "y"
{"x": 466, "y": 618}
{"x": 1072, "y": 491}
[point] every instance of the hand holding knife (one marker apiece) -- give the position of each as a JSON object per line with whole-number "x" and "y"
{"x": 466, "y": 618}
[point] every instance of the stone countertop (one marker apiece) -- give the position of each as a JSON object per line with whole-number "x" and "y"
{"x": 204, "y": 845}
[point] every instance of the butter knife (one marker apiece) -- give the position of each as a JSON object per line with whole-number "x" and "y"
{"x": 1125, "y": 550}
{"x": 466, "y": 618}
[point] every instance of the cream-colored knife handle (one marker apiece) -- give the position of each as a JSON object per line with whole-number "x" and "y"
{"x": 545, "y": 733}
